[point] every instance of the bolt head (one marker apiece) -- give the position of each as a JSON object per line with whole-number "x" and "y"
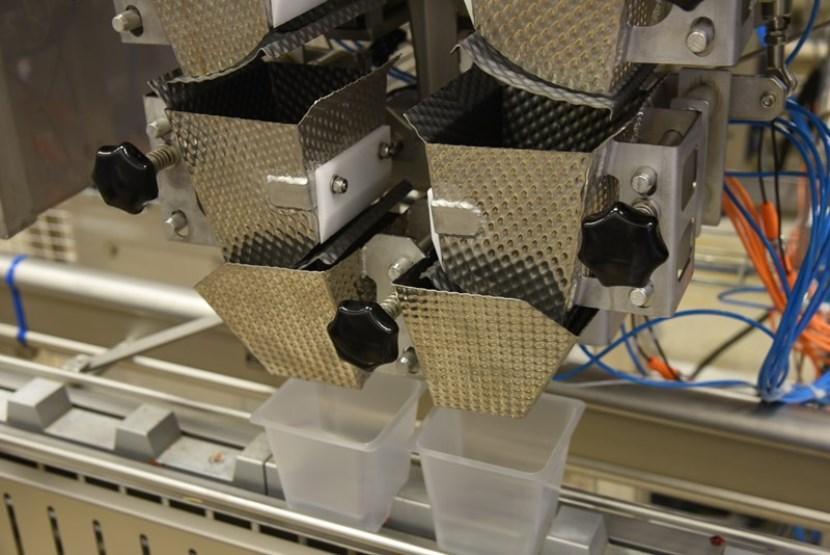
{"x": 177, "y": 224}
{"x": 700, "y": 36}
{"x": 697, "y": 42}
{"x": 158, "y": 128}
{"x": 644, "y": 180}
{"x": 641, "y": 296}
{"x": 127, "y": 21}
{"x": 768, "y": 100}
{"x": 339, "y": 185}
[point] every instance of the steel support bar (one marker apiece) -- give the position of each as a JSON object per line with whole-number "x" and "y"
{"x": 33, "y": 276}
{"x": 435, "y": 34}
{"x": 131, "y": 348}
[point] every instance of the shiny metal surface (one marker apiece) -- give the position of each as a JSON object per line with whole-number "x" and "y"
{"x": 38, "y": 277}
{"x": 526, "y": 241}
{"x": 286, "y": 120}
{"x": 484, "y": 354}
{"x": 209, "y": 36}
{"x": 408, "y": 531}
{"x": 229, "y": 160}
{"x": 575, "y": 45}
{"x": 528, "y": 238}
{"x": 282, "y": 316}
{"x": 493, "y": 62}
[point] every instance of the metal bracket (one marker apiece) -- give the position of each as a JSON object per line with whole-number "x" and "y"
{"x": 667, "y": 42}
{"x": 757, "y": 98}
{"x": 679, "y": 165}
{"x": 714, "y": 104}
{"x": 176, "y": 193}
{"x": 385, "y": 259}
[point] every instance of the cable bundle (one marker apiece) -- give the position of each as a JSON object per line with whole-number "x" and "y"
{"x": 797, "y": 286}
{"x": 797, "y": 293}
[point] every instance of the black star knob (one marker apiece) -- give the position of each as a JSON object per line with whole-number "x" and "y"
{"x": 623, "y": 246}
{"x": 364, "y": 334}
{"x": 126, "y": 177}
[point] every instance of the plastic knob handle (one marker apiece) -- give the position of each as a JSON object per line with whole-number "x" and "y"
{"x": 364, "y": 334}
{"x": 125, "y": 177}
{"x": 623, "y": 246}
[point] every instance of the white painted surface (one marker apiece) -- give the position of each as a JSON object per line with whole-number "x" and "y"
{"x": 286, "y": 10}
{"x": 368, "y": 177}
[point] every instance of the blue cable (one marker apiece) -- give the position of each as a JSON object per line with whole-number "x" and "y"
{"x": 726, "y": 297}
{"x": 743, "y": 174}
{"x": 619, "y": 374}
{"x": 808, "y": 30}
{"x": 796, "y": 317}
{"x": 654, "y": 322}
{"x": 17, "y": 300}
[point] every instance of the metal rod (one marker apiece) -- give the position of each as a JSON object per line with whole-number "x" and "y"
{"x": 51, "y": 342}
{"x": 260, "y": 508}
{"x": 130, "y": 348}
{"x": 96, "y": 287}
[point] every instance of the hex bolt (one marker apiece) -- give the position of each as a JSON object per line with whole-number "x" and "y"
{"x": 700, "y": 37}
{"x": 389, "y": 150}
{"x": 339, "y": 185}
{"x": 178, "y": 224}
{"x": 768, "y": 100}
{"x": 158, "y": 128}
{"x": 128, "y": 21}
{"x": 641, "y": 296}
{"x": 644, "y": 180}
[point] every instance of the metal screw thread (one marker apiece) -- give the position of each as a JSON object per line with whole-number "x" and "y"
{"x": 163, "y": 157}
{"x": 391, "y": 305}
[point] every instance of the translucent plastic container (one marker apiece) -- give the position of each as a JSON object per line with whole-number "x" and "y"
{"x": 493, "y": 482}
{"x": 342, "y": 454}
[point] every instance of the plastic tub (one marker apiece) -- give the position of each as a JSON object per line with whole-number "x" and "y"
{"x": 493, "y": 482}
{"x": 342, "y": 454}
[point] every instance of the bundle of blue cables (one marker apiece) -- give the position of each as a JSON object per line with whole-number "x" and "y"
{"x": 804, "y": 297}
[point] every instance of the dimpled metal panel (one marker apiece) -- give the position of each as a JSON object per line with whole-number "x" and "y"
{"x": 531, "y": 205}
{"x": 229, "y": 160}
{"x": 282, "y": 316}
{"x": 577, "y": 45}
{"x": 339, "y": 120}
{"x": 477, "y": 110}
{"x": 492, "y": 62}
{"x": 483, "y": 354}
{"x": 209, "y": 36}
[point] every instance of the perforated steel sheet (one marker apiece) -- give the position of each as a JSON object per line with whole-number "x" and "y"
{"x": 522, "y": 164}
{"x": 266, "y": 123}
{"x": 229, "y": 160}
{"x": 578, "y": 45}
{"x": 494, "y": 63}
{"x": 531, "y": 209}
{"x": 483, "y": 354}
{"x": 213, "y": 37}
{"x": 281, "y": 315}
{"x": 209, "y": 36}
